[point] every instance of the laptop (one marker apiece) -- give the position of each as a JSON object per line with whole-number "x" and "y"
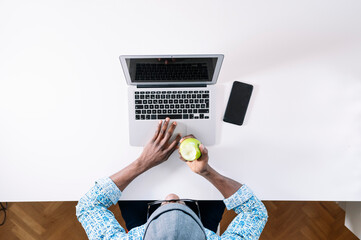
{"x": 180, "y": 87}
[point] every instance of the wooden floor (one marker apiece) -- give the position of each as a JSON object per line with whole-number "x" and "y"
{"x": 287, "y": 220}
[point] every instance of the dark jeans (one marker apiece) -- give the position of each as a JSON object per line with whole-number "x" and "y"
{"x": 135, "y": 213}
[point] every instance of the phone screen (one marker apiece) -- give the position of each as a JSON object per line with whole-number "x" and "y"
{"x": 238, "y": 103}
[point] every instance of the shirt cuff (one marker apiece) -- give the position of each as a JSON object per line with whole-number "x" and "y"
{"x": 109, "y": 189}
{"x": 242, "y": 195}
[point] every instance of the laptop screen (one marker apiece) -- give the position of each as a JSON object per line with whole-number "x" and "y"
{"x": 171, "y": 69}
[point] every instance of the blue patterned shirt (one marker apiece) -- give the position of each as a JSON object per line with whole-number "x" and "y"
{"x": 100, "y": 223}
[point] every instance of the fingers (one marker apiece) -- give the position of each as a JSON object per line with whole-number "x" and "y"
{"x": 174, "y": 144}
{"x": 163, "y": 129}
{"x": 157, "y": 131}
{"x": 188, "y": 136}
{"x": 169, "y": 133}
{"x": 204, "y": 150}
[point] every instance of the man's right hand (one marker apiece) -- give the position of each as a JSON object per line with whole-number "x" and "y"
{"x": 199, "y": 166}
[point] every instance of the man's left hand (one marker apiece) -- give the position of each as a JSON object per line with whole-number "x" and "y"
{"x": 158, "y": 149}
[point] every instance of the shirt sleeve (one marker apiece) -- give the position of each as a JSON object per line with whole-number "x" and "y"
{"x": 250, "y": 220}
{"x": 97, "y": 221}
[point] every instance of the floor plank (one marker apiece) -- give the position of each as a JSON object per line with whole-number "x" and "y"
{"x": 287, "y": 220}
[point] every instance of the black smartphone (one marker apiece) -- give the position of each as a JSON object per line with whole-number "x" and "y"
{"x": 238, "y": 103}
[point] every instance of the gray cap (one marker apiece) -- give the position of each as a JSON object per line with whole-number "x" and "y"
{"x": 174, "y": 221}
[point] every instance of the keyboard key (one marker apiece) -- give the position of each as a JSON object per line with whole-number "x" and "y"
{"x": 185, "y": 116}
{"x": 138, "y": 106}
{"x": 138, "y": 111}
{"x": 203, "y": 111}
{"x": 137, "y": 117}
{"x": 171, "y": 116}
{"x": 138, "y": 101}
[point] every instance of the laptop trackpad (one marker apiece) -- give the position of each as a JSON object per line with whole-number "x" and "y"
{"x": 181, "y": 129}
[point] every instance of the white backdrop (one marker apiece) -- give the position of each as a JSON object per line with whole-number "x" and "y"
{"x": 63, "y": 95}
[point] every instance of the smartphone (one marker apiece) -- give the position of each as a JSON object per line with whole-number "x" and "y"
{"x": 238, "y": 103}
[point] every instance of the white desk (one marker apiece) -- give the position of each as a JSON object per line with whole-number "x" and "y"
{"x": 63, "y": 95}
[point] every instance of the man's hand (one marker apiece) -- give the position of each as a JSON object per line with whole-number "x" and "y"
{"x": 199, "y": 166}
{"x": 155, "y": 152}
{"x": 158, "y": 149}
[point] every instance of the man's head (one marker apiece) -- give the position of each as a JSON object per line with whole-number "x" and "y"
{"x": 174, "y": 220}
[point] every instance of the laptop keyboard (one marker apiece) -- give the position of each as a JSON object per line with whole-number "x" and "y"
{"x": 150, "y": 105}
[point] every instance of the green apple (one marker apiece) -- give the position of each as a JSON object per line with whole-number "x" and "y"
{"x": 189, "y": 149}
